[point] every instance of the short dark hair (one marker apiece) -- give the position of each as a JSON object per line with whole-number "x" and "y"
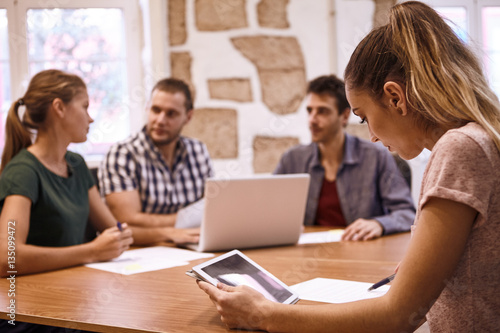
{"x": 332, "y": 86}
{"x": 172, "y": 85}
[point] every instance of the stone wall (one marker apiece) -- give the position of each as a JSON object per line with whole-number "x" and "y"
{"x": 217, "y": 128}
{"x": 245, "y": 61}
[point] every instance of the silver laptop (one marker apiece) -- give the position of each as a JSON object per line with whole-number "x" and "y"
{"x": 252, "y": 212}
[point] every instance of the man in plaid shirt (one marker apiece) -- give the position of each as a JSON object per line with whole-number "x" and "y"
{"x": 149, "y": 176}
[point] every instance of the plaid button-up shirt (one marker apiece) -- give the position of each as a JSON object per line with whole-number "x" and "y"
{"x": 137, "y": 164}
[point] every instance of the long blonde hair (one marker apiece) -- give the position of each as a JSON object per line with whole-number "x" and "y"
{"x": 44, "y": 87}
{"x": 443, "y": 78}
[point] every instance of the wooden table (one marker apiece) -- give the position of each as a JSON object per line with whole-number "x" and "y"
{"x": 169, "y": 301}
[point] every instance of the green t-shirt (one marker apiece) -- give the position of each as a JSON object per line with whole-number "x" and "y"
{"x": 60, "y": 206}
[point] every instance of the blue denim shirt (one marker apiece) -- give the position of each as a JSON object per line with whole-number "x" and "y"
{"x": 369, "y": 183}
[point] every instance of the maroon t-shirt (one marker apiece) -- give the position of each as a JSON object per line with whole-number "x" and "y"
{"x": 329, "y": 212}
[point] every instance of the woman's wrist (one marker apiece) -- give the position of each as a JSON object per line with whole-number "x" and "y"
{"x": 270, "y": 321}
{"x": 89, "y": 252}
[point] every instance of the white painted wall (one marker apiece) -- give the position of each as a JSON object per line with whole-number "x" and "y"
{"x": 354, "y": 20}
{"x": 215, "y": 57}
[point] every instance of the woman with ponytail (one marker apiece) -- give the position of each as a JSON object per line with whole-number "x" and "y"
{"x": 47, "y": 193}
{"x": 417, "y": 86}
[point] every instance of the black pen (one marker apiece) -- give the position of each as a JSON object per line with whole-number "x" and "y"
{"x": 119, "y": 225}
{"x": 382, "y": 282}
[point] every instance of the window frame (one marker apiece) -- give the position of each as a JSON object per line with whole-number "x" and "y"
{"x": 474, "y": 10}
{"x": 473, "y": 21}
{"x": 474, "y": 18}
{"x": 18, "y": 52}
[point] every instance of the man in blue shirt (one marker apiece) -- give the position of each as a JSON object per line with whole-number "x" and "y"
{"x": 354, "y": 183}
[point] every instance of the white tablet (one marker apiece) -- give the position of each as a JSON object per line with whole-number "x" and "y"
{"x": 234, "y": 269}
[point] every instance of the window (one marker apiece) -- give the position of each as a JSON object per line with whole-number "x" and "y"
{"x": 457, "y": 15}
{"x": 478, "y": 20}
{"x": 89, "y": 38}
{"x": 5, "y": 95}
{"x": 490, "y": 18}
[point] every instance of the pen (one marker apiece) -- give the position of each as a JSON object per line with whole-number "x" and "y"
{"x": 119, "y": 225}
{"x": 382, "y": 282}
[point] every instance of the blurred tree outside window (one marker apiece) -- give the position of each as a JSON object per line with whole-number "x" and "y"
{"x": 90, "y": 43}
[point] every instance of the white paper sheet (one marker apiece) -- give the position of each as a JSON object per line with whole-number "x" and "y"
{"x": 191, "y": 215}
{"x": 149, "y": 259}
{"x": 329, "y": 236}
{"x": 336, "y": 291}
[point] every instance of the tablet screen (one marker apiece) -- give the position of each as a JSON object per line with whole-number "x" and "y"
{"x": 236, "y": 270}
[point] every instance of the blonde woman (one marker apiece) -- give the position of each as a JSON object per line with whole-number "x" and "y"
{"x": 417, "y": 86}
